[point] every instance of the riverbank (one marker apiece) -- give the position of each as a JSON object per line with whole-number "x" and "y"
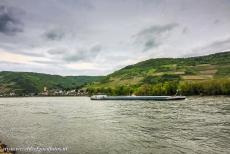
{"x": 42, "y": 96}
{"x": 227, "y": 95}
{"x": 3, "y": 149}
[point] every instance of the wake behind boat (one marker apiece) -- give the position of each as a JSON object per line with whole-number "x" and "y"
{"x": 156, "y": 98}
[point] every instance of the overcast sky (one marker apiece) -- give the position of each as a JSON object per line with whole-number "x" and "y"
{"x": 97, "y": 37}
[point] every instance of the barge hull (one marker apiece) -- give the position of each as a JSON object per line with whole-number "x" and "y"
{"x": 156, "y": 98}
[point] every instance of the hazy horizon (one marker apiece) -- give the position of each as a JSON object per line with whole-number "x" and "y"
{"x": 97, "y": 37}
{"x": 97, "y": 75}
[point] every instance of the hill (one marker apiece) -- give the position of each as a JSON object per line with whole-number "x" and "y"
{"x": 163, "y": 76}
{"x": 27, "y": 82}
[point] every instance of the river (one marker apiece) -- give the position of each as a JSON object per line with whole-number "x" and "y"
{"x": 194, "y": 125}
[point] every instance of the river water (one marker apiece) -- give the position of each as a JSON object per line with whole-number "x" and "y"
{"x": 194, "y": 125}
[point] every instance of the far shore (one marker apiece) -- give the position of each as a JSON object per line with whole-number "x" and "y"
{"x": 40, "y": 96}
{"x": 116, "y": 95}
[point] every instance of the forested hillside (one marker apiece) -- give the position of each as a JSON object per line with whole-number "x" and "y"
{"x": 209, "y": 75}
{"x": 27, "y": 82}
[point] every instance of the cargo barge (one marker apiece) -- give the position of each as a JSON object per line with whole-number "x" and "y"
{"x": 155, "y": 98}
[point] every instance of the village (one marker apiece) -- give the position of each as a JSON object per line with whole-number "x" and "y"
{"x": 49, "y": 92}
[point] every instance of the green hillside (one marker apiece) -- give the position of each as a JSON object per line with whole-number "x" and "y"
{"x": 26, "y": 82}
{"x": 167, "y": 75}
{"x": 208, "y": 75}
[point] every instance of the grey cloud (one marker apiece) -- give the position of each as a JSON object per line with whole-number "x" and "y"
{"x": 71, "y": 27}
{"x": 54, "y": 35}
{"x": 96, "y": 48}
{"x": 78, "y": 56}
{"x": 185, "y": 30}
{"x": 9, "y": 24}
{"x": 57, "y": 51}
{"x": 83, "y": 54}
{"x": 219, "y": 45}
{"x": 9, "y": 63}
{"x": 152, "y": 36}
{"x": 150, "y": 44}
{"x": 41, "y": 67}
{"x": 157, "y": 29}
{"x": 20, "y": 49}
{"x": 213, "y": 47}
{"x": 47, "y": 62}
{"x": 217, "y": 21}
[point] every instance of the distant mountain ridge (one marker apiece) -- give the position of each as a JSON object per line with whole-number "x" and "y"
{"x": 161, "y": 76}
{"x": 160, "y": 71}
{"x": 29, "y": 82}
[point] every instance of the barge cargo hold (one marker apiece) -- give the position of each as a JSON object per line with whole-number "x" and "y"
{"x": 156, "y": 98}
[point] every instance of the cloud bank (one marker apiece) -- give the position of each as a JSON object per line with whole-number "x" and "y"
{"x": 97, "y": 37}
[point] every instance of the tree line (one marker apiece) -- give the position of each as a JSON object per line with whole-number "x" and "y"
{"x": 207, "y": 87}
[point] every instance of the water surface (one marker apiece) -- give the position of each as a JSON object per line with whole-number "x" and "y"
{"x": 195, "y": 125}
